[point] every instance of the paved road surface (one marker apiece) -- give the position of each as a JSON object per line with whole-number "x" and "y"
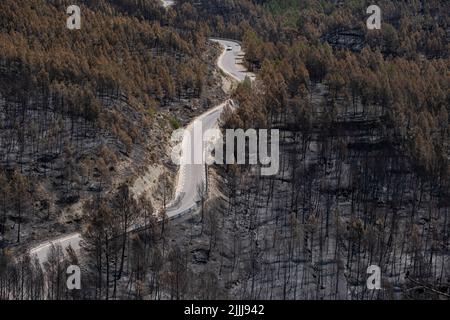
{"x": 228, "y": 61}
{"x": 189, "y": 176}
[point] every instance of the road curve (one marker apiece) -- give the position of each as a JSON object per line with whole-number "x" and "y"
{"x": 192, "y": 175}
{"x": 231, "y": 60}
{"x": 189, "y": 175}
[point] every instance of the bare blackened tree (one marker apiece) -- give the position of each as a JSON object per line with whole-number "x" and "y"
{"x": 202, "y": 196}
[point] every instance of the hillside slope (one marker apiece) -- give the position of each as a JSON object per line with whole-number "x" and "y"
{"x": 83, "y": 111}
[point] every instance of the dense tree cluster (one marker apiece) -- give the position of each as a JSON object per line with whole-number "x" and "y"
{"x": 409, "y": 28}
{"x": 369, "y": 126}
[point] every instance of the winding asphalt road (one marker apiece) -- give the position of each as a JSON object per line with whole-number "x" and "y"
{"x": 192, "y": 175}
{"x": 189, "y": 175}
